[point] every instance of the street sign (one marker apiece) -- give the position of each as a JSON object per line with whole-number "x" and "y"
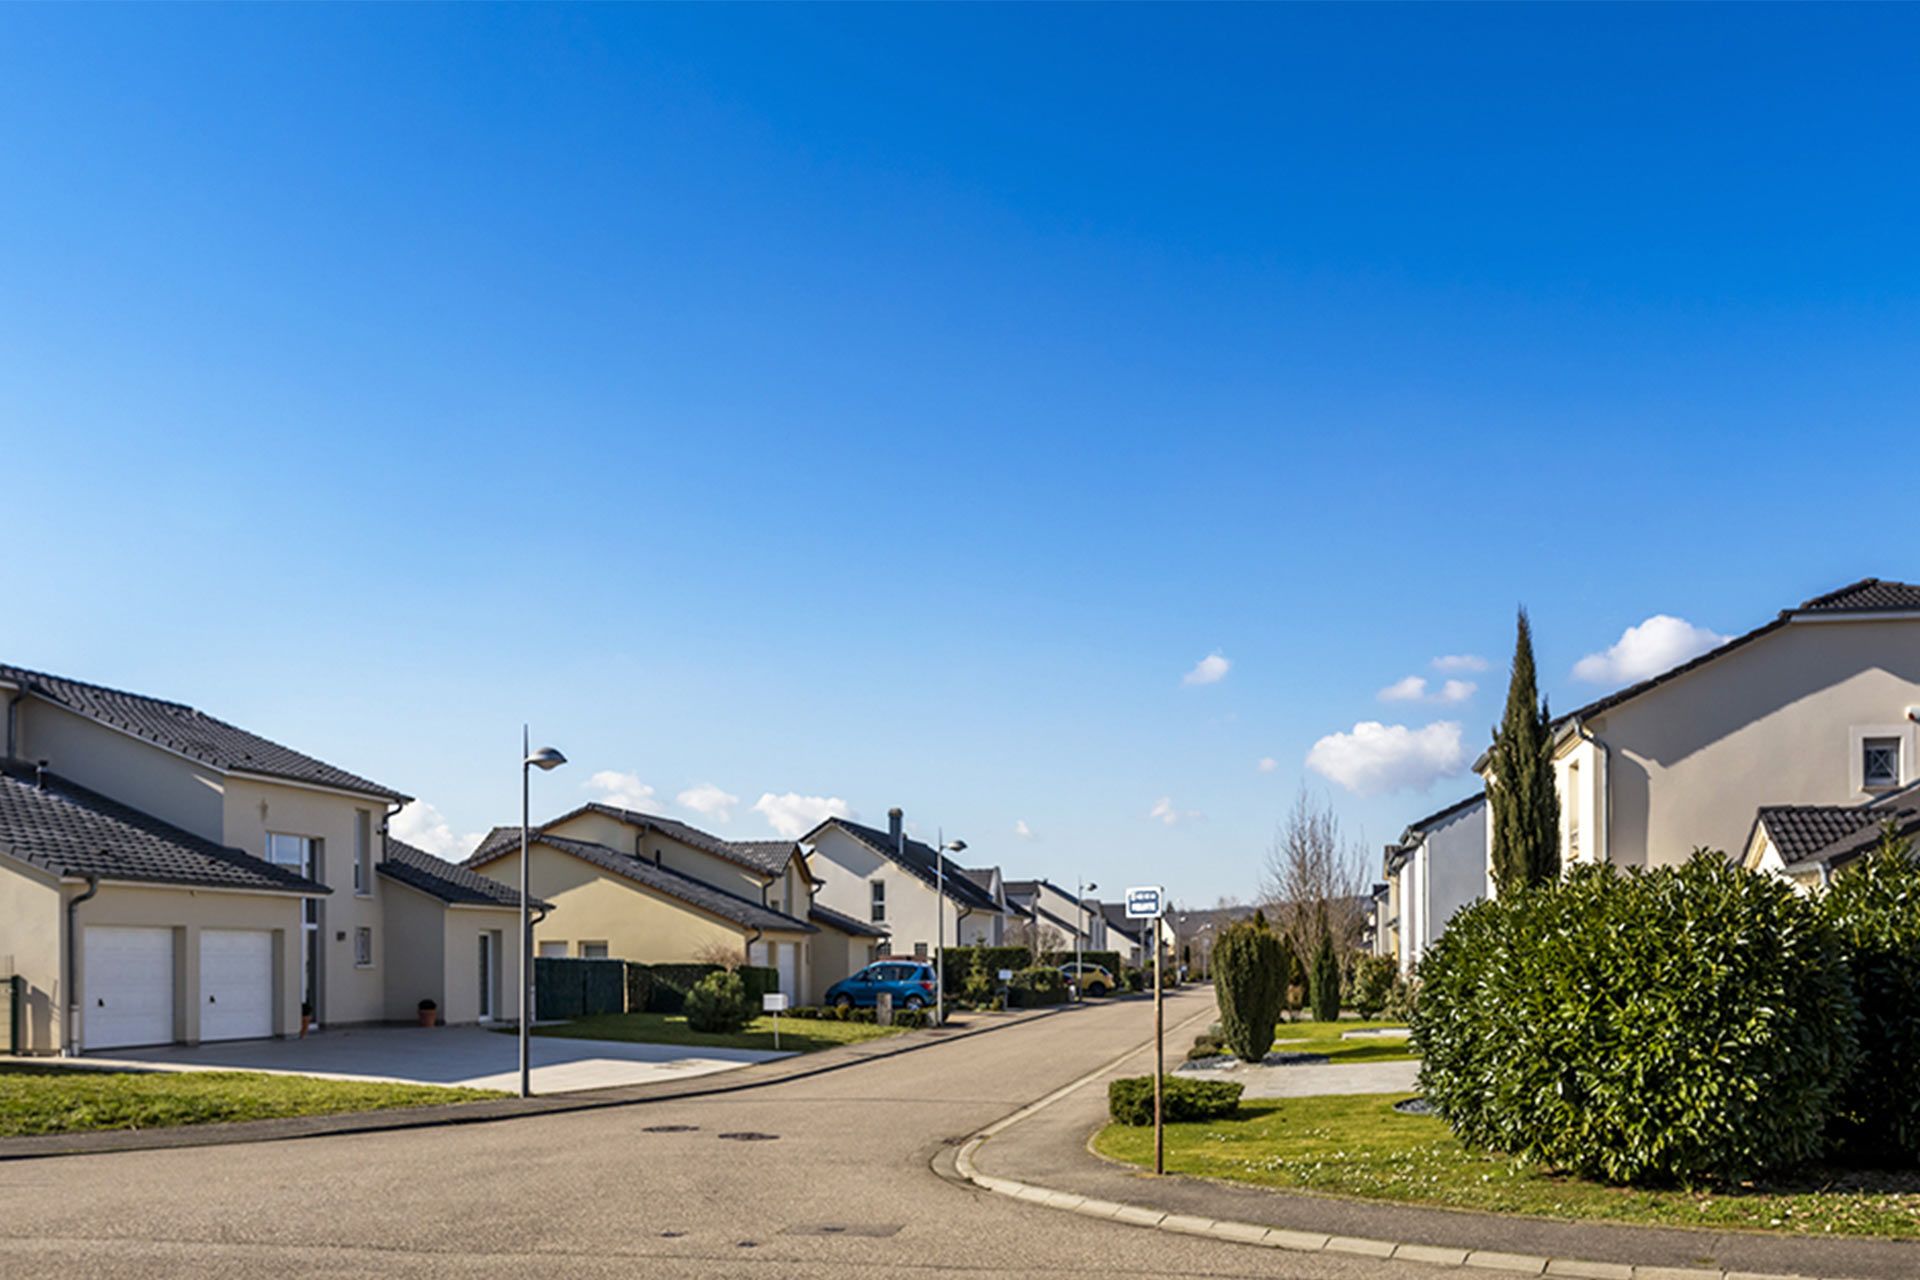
{"x": 1006, "y": 975}
{"x": 1146, "y": 902}
{"x": 773, "y": 1002}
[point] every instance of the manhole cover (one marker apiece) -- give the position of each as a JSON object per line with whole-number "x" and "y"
{"x": 871, "y": 1229}
{"x": 749, "y": 1137}
{"x": 671, "y": 1128}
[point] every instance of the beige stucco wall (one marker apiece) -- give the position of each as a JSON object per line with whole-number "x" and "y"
{"x": 136, "y": 773}
{"x": 187, "y": 912}
{"x": 30, "y": 907}
{"x": 1774, "y": 722}
{"x": 415, "y": 950}
{"x": 635, "y": 922}
{"x": 463, "y": 927}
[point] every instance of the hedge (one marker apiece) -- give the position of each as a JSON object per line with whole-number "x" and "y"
{"x": 1036, "y": 985}
{"x": 1685, "y": 1025}
{"x": 1874, "y": 909}
{"x": 960, "y": 959}
{"x": 1130, "y": 1099}
{"x": 671, "y": 982}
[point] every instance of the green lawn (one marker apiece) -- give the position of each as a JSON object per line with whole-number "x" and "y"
{"x": 1360, "y": 1146}
{"x": 797, "y": 1035}
{"x": 72, "y": 1100}
{"x": 1325, "y": 1037}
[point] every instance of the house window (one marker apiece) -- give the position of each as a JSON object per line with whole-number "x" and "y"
{"x": 362, "y": 852}
{"x": 1879, "y": 763}
{"x": 879, "y": 888}
{"x": 301, "y": 855}
{"x": 593, "y": 951}
{"x": 919, "y": 951}
{"x": 1573, "y": 812}
{"x": 363, "y": 947}
{"x": 553, "y": 951}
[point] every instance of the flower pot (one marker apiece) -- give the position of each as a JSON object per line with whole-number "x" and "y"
{"x": 429, "y": 1017}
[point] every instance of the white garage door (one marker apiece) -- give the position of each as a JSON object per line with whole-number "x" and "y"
{"x": 129, "y": 987}
{"x": 236, "y": 984}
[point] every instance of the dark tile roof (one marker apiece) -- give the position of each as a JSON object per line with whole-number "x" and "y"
{"x": 189, "y": 732}
{"x": 764, "y": 857}
{"x": 845, "y": 923}
{"x": 696, "y": 893}
{"x": 445, "y": 880}
{"x": 1799, "y": 831}
{"x": 1856, "y": 843}
{"x": 1869, "y": 595}
{"x": 68, "y": 830}
{"x": 1119, "y": 920}
{"x": 918, "y": 858}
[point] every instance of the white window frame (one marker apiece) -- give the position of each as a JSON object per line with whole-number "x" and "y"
{"x": 877, "y": 901}
{"x": 363, "y": 947}
{"x": 593, "y": 942}
{"x": 550, "y": 949}
{"x": 1857, "y": 738}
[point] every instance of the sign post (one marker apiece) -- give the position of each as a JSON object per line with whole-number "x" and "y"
{"x": 1149, "y": 903}
{"x": 773, "y": 1002}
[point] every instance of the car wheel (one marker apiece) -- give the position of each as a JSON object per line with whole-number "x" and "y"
{"x": 915, "y": 1002}
{"x": 1096, "y": 989}
{"x": 843, "y": 1001}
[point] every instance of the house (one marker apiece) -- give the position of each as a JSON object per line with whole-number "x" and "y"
{"x": 166, "y": 876}
{"x": 1061, "y": 912}
{"x": 981, "y": 929}
{"x": 889, "y": 880}
{"x": 451, "y": 938}
{"x": 1130, "y": 938}
{"x": 1377, "y": 933}
{"x": 1438, "y": 867}
{"x": 1817, "y": 707}
{"x": 636, "y": 886}
{"x": 1805, "y": 844}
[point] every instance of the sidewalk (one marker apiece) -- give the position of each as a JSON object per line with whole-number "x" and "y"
{"x": 786, "y": 1067}
{"x": 1042, "y": 1157}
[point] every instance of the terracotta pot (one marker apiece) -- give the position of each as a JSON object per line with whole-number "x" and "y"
{"x": 429, "y": 1017}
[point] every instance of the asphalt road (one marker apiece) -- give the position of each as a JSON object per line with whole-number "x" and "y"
{"x": 843, "y": 1186}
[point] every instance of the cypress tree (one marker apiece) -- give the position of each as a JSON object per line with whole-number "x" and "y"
{"x": 1249, "y": 985}
{"x": 1522, "y": 803}
{"x": 1324, "y": 982}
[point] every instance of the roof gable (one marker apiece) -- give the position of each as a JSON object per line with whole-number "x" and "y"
{"x": 447, "y": 881}
{"x": 677, "y": 885}
{"x": 762, "y": 857}
{"x": 918, "y": 858}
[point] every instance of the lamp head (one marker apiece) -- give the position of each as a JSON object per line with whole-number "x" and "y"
{"x": 545, "y": 758}
{"x": 957, "y": 846}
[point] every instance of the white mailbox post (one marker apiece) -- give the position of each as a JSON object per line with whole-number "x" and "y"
{"x": 774, "y": 1002}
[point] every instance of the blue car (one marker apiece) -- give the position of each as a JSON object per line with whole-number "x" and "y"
{"x": 909, "y": 982}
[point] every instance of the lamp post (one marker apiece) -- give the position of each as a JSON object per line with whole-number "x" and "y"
{"x": 1081, "y": 890}
{"x": 544, "y": 759}
{"x": 940, "y": 925}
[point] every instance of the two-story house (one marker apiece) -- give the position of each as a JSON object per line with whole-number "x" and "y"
{"x": 167, "y": 876}
{"x": 1437, "y": 867}
{"x": 1054, "y": 909}
{"x": 641, "y": 887}
{"x": 889, "y": 879}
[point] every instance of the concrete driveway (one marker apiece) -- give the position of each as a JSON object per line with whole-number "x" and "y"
{"x": 468, "y": 1056}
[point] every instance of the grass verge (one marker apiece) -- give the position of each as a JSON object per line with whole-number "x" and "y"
{"x": 38, "y": 1100}
{"x": 1325, "y": 1037}
{"x": 1358, "y": 1145}
{"x": 797, "y": 1035}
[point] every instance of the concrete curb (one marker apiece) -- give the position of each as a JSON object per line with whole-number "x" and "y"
{"x": 1261, "y": 1236}
{"x": 778, "y": 1071}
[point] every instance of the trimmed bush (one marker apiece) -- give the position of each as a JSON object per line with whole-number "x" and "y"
{"x": 1686, "y": 1025}
{"x": 672, "y": 982}
{"x": 960, "y": 961}
{"x": 639, "y": 987}
{"x": 759, "y": 980}
{"x": 1323, "y": 984}
{"x": 1038, "y": 985}
{"x": 718, "y": 1002}
{"x": 1373, "y": 979}
{"x": 1249, "y": 981}
{"x": 1130, "y": 1099}
{"x": 1874, "y": 909}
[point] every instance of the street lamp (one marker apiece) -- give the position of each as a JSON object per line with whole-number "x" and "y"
{"x": 1079, "y": 932}
{"x": 545, "y": 759}
{"x": 940, "y": 925}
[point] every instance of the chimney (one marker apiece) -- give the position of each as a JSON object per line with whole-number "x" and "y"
{"x": 40, "y": 775}
{"x": 895, "y": 827}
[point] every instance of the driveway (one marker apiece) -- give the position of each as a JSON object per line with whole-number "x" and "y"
{"x": 468, "y": 1056}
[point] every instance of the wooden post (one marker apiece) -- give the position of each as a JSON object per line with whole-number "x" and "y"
{"x": 1159, "y": 1055}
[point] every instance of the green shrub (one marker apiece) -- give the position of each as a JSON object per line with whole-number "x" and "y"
{"x": 1324, "y": 982}
{"x": 1037, "y": 985}
{"x": 1136, "y": 979}
{"x": 759, "y": 980}
{"x": 1206, "y": 1045}
{"x": 1874, "y": 909}
{"x": 1685, "y": 1025}
{"x": 959, "y": 964}
{"x": 718, "y": 1002}
{"x": 1249, "y": 977}
{"x": 1403, "y": 999}
{"x": 672, "y": 982}
{"x": 1130, "y": 1099}
{"x": 1373, "y": 979}
{"x": 913, "y": 1017}
{"x": 978, "y": 986}
{"x": 1293, "y": 986}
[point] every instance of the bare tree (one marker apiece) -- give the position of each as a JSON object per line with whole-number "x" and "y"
{"x": 1037, "y": 937}
{"x": 728, "y": 955}
{"x": 1314, "y": 879}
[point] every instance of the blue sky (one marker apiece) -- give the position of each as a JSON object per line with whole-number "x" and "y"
{"x": 896, "y": 404}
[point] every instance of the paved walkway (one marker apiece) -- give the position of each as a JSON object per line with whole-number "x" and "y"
{"x": 470, "y": 1057}
{"x": 1311, "y": 1079}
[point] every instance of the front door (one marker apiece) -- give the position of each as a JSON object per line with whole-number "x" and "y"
{"x": 486, "y": 976}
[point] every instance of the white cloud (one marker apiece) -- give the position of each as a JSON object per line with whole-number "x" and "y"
{"x": 1411, "y": 689}
{"x": 1164, "y": 811}
{"x": 1021, "y": 829}
{"x": 422, "y": 826}
{"x": 1211, "y": 669}
{"x": 1376, "y": 758}
{"x": 709, "y": 800}
{"x": 623, "y": 790}
{"x": 1459, "y": 662}
{"x": 1267, "y": 764}
{"x": 1659, "y": 644}
{"x": 793, "y": 815}
{"x": 1414, "y": 689}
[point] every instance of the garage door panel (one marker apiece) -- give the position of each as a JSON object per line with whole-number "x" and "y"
{"x": 129, "y": 987}
{"x": 236, "y": 984}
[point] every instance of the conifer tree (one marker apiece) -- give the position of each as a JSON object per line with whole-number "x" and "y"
{"x": 1522, "y": 804}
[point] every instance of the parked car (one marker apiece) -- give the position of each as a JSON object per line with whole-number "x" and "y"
{"x": 1090, "y": 979}
{"x": 909, "y": 982}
